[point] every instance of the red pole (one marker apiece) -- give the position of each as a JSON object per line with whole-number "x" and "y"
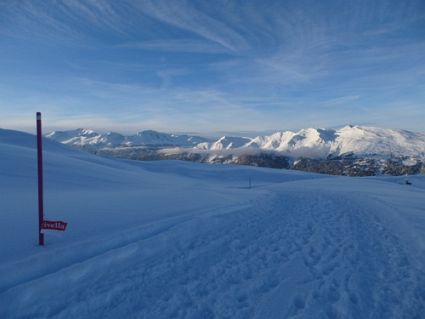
{"x": 40, "y": 180}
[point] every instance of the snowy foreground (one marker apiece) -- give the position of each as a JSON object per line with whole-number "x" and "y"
{"x": 183, "y": 240}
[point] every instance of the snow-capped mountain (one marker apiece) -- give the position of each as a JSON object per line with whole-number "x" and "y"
{"x": 224, "y": 143}
{"x": 150, "y": 137}
{"x": 321, "y": 143}
{"x": 306, "y": 143}
{"x": 369, "y": 140}
{"x": 83, "y": 138}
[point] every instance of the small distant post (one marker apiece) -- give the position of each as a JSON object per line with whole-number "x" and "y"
{"x": 40, "y": 180}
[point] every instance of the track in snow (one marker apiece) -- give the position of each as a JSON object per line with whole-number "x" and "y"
{"x": 281, "y": 257}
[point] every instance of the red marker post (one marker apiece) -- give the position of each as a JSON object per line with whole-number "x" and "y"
{"x": 42, "y": 223}
{"x": 40, "y": 180}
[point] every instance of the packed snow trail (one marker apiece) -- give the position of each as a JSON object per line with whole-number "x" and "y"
{"x": 283, "y": 256}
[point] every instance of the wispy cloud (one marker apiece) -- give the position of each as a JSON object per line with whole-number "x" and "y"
{"x": 70, "y": 20}
{"x": 205, "y": 65}
{"x": 184, "y": 15}
{"x": 340, "y": 101}
{"x": 177, "y": 45}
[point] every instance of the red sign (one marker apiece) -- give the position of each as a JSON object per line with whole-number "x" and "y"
{"x": 53, "y": 225}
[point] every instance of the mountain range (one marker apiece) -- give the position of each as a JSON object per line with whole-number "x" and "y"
{"x": 306, "y": 143}
{"x": 88, "y": 138}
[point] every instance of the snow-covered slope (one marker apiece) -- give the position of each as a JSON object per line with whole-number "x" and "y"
{"x": 171, "y": 239}
{"x": 89, "y": 138}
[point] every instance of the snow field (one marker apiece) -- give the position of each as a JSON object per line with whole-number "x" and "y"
{"x": 185, "y": 240}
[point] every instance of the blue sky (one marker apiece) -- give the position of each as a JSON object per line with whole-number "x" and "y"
{"x": 212, "y": 66}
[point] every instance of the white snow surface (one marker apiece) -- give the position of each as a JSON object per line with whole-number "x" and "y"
{"x": 172, "y": 239}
